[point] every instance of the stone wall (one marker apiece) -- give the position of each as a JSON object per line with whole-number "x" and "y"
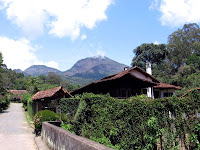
{"x": 57, "y": 138}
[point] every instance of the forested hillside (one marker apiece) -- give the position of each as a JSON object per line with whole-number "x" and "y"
{"x": 9, "y": 79}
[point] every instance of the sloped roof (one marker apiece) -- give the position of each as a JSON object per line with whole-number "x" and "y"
{"x": 17, "y": 92}
{"x": 67, "y": 93}
{"x": 123, "y": 74}
{"x": 120, "y": 74}
{"x": 50, "y": 93}
{"x": 189, "y": 92}
{"x": 166, "y": 86}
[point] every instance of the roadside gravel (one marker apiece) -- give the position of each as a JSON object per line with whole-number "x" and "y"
{"x": 15, "y": 133}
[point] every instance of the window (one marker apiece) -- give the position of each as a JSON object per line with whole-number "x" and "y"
{"x": 168, "y": 94}
{"x": 144, "y": 91}
{"x": 156, "y": 94}
{"x": 123, "y": 93}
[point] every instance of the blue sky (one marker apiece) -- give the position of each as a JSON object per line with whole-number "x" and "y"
{"x": 57, "y": 33}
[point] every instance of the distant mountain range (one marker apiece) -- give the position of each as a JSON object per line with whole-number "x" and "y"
{"x": 83, "y": 72}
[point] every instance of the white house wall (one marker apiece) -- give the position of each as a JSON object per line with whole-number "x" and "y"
{"x": 165, "y": 91}
{"x": 140, "y": 75}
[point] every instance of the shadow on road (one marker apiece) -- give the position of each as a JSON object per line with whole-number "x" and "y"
{"x": 5, "y": 111}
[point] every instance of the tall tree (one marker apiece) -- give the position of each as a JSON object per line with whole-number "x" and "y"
{"x": 1, "y": 72}
{"x": 183, "y": 43}
{"x": 154, "y": 53}
{"x": 32, "y": 87}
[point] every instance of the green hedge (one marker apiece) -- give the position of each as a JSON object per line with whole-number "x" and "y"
{"x": 31, "y": 107}
{"x": 138, "y": 122}
{"x": 68, "y": 106}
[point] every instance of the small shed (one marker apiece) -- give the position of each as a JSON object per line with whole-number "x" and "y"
{"x": 49, "y": 99}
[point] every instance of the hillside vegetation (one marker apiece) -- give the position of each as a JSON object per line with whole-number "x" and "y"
{"x": 135, "y": 123}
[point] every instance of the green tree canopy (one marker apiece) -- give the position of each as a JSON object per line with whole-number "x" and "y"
{"x": 154, "y": 53}
{"x": 182, "y": 44}
{"x": 1, "y": 70}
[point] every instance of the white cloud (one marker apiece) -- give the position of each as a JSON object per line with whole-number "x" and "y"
{"x": 83, "y": 37}
{"x": 101, "y": 53}
{"x": 19, "y": 54}
{"x": 156, "y": 43}
{"x": 154, "y": 4}
{"x": 52, "y": 64}
{"x": 61, "y": 17}
{"x": 178, "y": 12}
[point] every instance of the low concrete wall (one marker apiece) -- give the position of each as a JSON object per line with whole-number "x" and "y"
{"x": 57, "y": 138}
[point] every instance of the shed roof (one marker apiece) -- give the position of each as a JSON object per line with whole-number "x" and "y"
{"x": 51, "y": 93}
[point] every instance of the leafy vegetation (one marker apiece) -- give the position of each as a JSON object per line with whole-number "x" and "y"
{"x": 68, "y": 106}
{"x": 138, "y": 122}
{"x": 41, "y": 116}
{"x": 135, "y": 123}
{"x": 4, "y": 102}
{"x": 177, "y": 62}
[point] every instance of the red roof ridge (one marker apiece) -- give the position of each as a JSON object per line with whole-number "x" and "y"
{"x": 120, "y": 75}
{"x": 48, "y": 93}
{"x": 17, "y": 92}
{"x": 165, "y": 85}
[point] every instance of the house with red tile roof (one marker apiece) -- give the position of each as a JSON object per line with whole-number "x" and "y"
{"x": 130, "y": 82}
{"x": 16, "y": 95}
{"x": 164, "y": 90}
{"x": 49, "y": 99}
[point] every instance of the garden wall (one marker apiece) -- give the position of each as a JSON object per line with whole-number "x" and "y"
{"x": 58, "y": 138}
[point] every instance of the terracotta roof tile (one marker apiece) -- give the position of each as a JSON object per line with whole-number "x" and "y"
{"x": 48, "y": 93}
{"x": 122, "y": 74}
{"x": 166, "y": 86}
{"x": 17, "y": 92}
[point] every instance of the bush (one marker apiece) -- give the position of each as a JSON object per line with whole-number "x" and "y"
{"x": 137, "y": 122}
{"x": 68, "y": 106}
{"x": 31, "y": 107}
{"x": 25, "y": 99}
{"x": 63, "y": 118}
{"x": 4, "y": 102}
{"x": 41, "y": 116}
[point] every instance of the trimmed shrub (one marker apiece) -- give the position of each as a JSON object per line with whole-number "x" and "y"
{"x": 137, "y": 122}
{"x": 62, "y": 117}
{"x": 25, "y": 99}
{"x": 41, "y": 116}
{"x": 31, "y": 107}
{"x": 68, "y": 106}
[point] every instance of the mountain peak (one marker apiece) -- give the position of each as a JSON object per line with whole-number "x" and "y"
{"x": 36, "y": 70}
{"x": 97, "y": 64}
